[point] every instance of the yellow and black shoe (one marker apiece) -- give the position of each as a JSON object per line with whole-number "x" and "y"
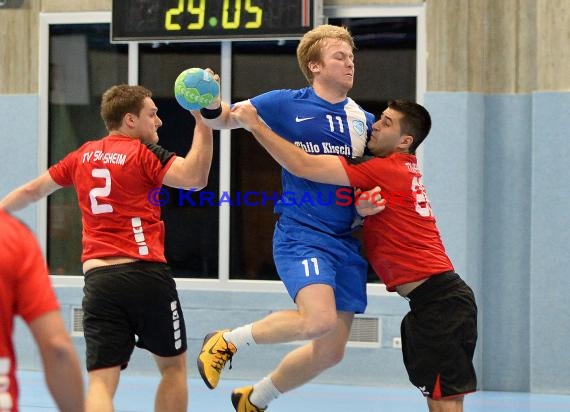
{"x": 213, "y": 357}
{"x": 241, "y": 402}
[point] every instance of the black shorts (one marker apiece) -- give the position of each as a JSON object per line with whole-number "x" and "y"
{"x": 121, "y": 301}
{"x": 439, "y": 336}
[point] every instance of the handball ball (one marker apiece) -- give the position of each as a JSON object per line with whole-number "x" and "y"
{"x": 195, "y": 88}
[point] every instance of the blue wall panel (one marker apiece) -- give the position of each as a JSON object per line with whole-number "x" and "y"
{"x": 506, "y": 272}
{"x": 550, "y": 240}
{"x": 19, "y": 137}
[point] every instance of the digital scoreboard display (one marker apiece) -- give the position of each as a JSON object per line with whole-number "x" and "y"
{"x": 208, "y": 20}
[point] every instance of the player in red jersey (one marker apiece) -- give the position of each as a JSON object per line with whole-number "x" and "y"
{"x": 403, "y": 245}
{"x": 128, "y": 290}
{"x": 25, "y": 290}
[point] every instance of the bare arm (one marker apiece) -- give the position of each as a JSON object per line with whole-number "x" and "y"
{"x": 191, "y": 172}
{"x": 224, "y": 121}
{"x": 61, "y": 364}
{"x": 321, "y": 168}
{"x": 30, "y": 192}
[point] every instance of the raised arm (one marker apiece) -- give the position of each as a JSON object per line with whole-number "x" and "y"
{"x": 191, "y": 172}
{"x": 218, "y": 114}
{"x": 29, "y": 192}
{"x": 320, "y": 168}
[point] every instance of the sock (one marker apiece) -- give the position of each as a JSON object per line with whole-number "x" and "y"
{"x": 240, "y": 336}
{"x": 264, "y": 392}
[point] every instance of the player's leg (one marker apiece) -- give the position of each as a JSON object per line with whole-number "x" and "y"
{"x": 332, "y": 309}
{"x": 101, "y": 389}
{"x": 172, "y": 392}
{"x": 308, "y": 263}
{"x": 161, "y": 330}
{"x": 438, "y": 341}
{"x": 315, "y": 316}
{"x": 297, "y": 368}
{"x": 445, "y": 405}
{"x": 109, "y": 340}
{"x": 300, "y": 267}
{"x": 305, "y": 363}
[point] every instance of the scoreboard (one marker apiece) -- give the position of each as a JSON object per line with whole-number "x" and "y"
{"x": 212, "y": 20}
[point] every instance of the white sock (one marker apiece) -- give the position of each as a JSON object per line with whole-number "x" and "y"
{"x": 240, "y": 336}
{"x": 264, "y": 392}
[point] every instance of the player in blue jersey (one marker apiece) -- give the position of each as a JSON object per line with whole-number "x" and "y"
{"x": 316, "y": 256}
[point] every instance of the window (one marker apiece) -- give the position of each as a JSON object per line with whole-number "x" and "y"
{"x": 82, "y": 65}
{"x": 191, "y": 241}
{"x": 212, "y": 237}
{"x": 253, "y": 169}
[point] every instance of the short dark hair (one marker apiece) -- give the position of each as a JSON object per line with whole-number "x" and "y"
{"x": 416, "y": 121}
{"x": 119, "y": 100}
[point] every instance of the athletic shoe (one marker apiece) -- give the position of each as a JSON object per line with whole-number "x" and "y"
{"x": 241, "y": 402}
{"x": 213, "y": 357}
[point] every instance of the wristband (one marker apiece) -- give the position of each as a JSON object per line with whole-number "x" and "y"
{"x": 211, "y": 113}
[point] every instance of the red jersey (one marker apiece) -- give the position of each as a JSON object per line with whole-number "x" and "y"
{"x": 114, "y": 179}
{"x": 25, "y": 290}
{"x": 402, "y": 242}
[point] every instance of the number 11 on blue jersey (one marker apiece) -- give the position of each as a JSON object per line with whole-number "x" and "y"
{"x": 308, "y": 266}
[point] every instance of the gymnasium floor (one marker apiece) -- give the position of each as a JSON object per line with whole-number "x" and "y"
{"x": 136, "y": 394}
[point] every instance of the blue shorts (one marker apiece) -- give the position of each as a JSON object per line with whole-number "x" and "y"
{"x": 305, "y": 256}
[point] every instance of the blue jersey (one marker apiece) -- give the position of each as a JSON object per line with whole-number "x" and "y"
{"x": 318, "y": 127}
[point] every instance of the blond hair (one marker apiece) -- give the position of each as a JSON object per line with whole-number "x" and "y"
{"x": 309, "y": 49}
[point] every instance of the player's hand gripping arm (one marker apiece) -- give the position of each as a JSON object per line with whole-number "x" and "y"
{"x": 191, "y": 172}
{"x": 322, "y": 168}
{"x": 29, "y": 192}
{"x": 225, "y": 119}
{"x": 370, "y": 202}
